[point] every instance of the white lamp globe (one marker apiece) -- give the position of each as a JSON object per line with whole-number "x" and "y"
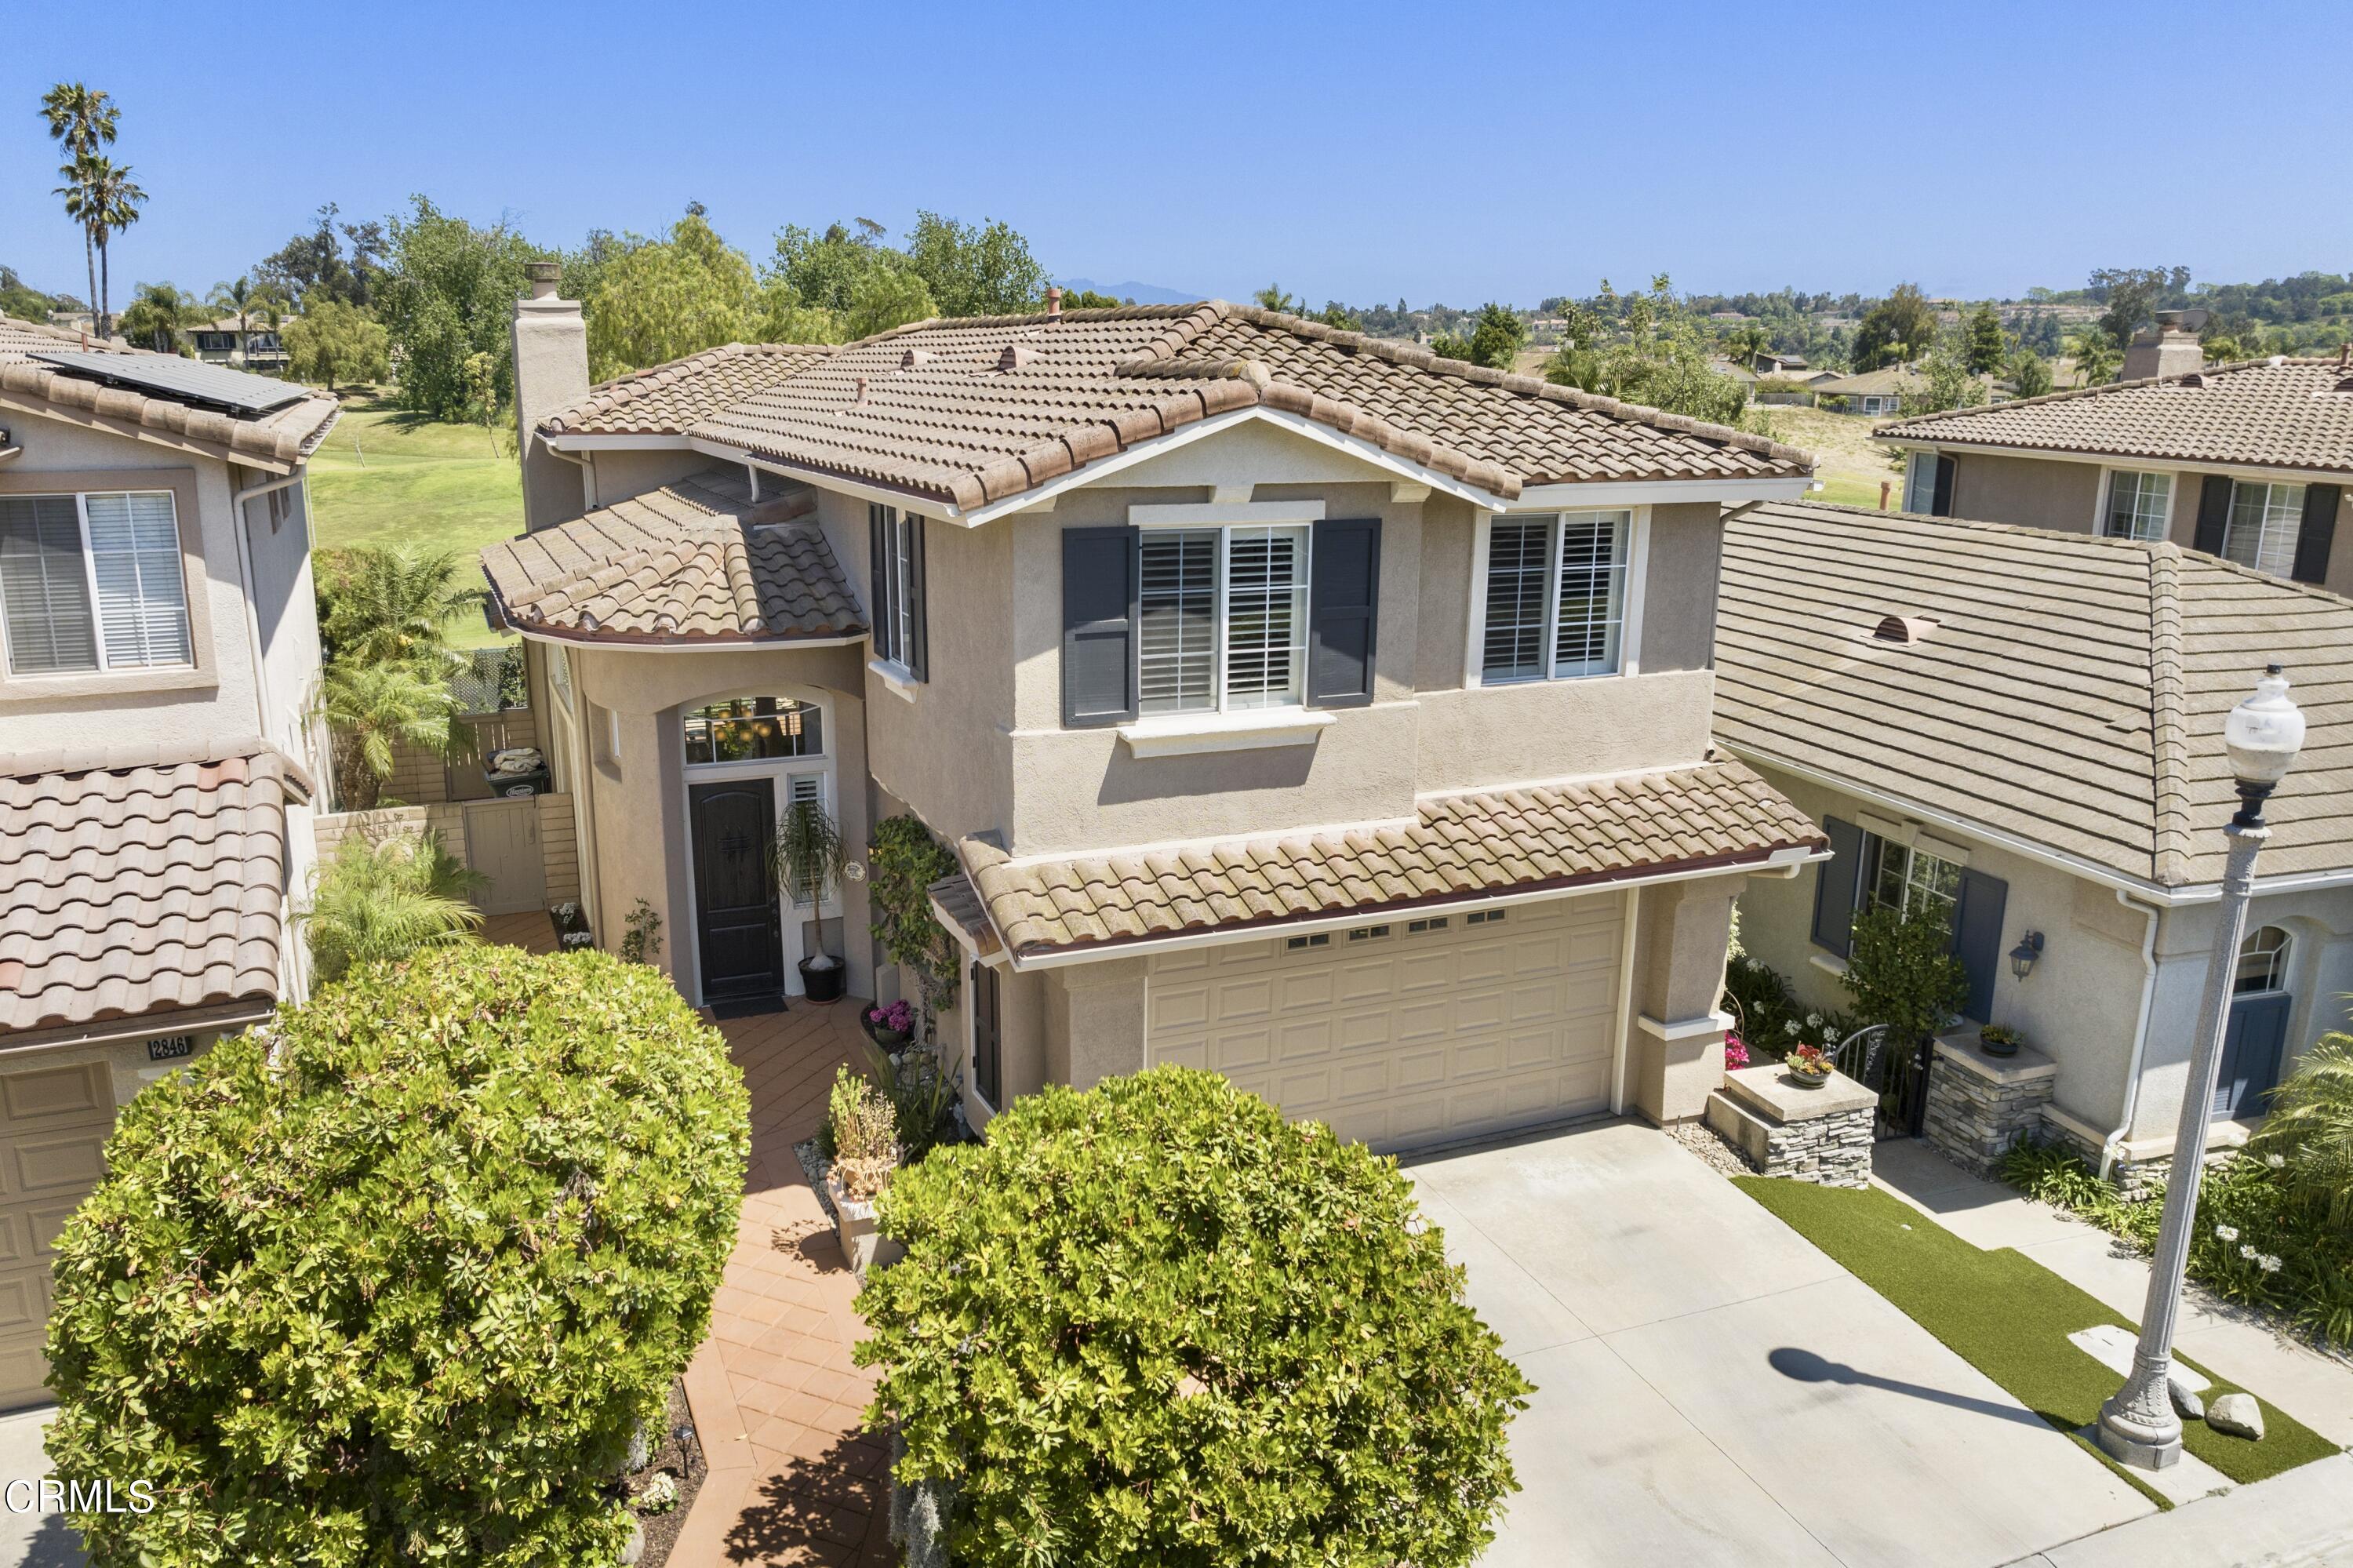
{"x": 2263, "y": 733}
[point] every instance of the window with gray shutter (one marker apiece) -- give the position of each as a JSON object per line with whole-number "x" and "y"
{"x": 1838, "y": 886}
{"x": 1099, "y": 616}
{"x": 1342, "y": 614}
{"x": 44, "y": 605}
{"x": 1977, "y": 938}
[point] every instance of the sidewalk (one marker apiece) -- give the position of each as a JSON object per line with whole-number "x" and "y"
{"x": 2312, "y": 1385}
{"x": 2301, "y": 1519}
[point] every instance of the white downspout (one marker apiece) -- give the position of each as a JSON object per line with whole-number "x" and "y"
{"x": 2140, "y": 1031}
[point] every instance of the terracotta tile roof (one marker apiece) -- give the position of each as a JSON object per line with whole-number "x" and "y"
{"x": 277, "y": 440}
{"x": 2071, "y": 692}
{"x": 2289, "y": 413}
{"x": 956, "y": 898}
{"x": 667, "y": 399}
{"x": 137, "y": 881}
{"x": 1572, "y": 835}
{"x": 695, "y": 561}
{"x": 973, "y": 410}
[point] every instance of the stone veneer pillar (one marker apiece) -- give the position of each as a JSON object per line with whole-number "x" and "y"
{"x": 1822, "y": 1135}
{"x": 1979, "y": 1106}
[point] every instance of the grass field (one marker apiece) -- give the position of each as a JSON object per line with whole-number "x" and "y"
{"x": 394, "y": 479}
{"x": 1849, "y": 464}
{"x": 2009, "y": 1317}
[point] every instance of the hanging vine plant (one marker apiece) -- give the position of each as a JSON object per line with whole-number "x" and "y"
{"x": 903, "y": 861}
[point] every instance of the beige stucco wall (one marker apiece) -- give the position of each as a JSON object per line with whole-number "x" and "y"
{"x": 1679, "y": 590}
{"x": 616, "y": 475}
{"x": 2033, "y": 492}
{"x": 1679, "y": 929}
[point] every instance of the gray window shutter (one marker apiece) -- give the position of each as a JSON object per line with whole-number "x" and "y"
{"x": 1837, "y": 882}
{"x": 1343, "y": 608}
{"x": 917, "y": 656}
{"x": 878, "y": 577}
{"x": 1099, "y": 616}
{"x": 2213, "y": 514}
{"x": 1941, "y": 504}
{"x": 1977, "y": 938}
{"x": 2319, "y": 531}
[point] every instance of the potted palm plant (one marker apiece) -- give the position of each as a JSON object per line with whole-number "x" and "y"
{"x": 808, "y": 865}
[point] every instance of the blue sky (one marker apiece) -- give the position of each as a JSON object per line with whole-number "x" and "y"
{"x": 1360, "y": 152}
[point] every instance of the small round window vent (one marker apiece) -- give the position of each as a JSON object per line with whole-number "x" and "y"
{"x": 1904, "y": 629}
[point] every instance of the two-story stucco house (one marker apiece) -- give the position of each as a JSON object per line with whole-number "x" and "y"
{"x": 1297, "y": 703}
{"x": 159, "y": 654}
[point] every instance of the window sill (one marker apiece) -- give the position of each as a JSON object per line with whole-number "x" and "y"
{"x": 1829, "y": 964}
{"x": 897, "y": 678}
{"x": 1183, "y": 734}
{"x": 129, "y": 679}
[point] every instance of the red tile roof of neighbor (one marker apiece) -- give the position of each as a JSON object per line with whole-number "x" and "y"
{"x": 973, "y": 410}
{"x": 667, "y": 398}
{"x": 2264, "y": 413}
{"x": 277, "y": 440}
{"x": 137, "y": 879}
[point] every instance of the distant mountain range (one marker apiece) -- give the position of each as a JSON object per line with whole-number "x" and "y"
{"x": 1142, "y": 293}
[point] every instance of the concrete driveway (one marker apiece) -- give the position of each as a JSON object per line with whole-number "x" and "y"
{"x": 1712, "y": 1388}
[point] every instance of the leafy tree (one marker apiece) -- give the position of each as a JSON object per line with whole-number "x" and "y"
{"x": 2097, "y": 355}
{"x": 2135, "y": 294}
{"x": 1496, "y": 340}
{"x": 656, "y": 301}
{"x": 1747, "y": 343}
{"x": 24, "y": 303}
{"x": 158, "y": 313}
{"x": 1273, "y": 298}
{"x": 973, "y": 271}
{"x": 334, "y": 342}
{"x": 1897, "y": 328}
{"x": 2030, "y": 373}
{"x": 1987, "y": 345}
{"x": 382, "y": 606}
{"x": 1902, "y": 972}
{"x": 1946, "y": 380}
{"x": 313, "y": 267}
{"x": 373, "y": 709}
{"x": 1274, "y": 1361}
{"x": 447, "y": 296}
{"x": 1662, "y": 361}
{"x": 2223, "y": 348}
{"x": 887, "y": 296}
{"x": 1338, "y": 316}
{"x": 820, "y": 271}
{"x": 903, "y": 861}
{"x": 380, "y": 902}
{"x": 393, "y": 1278}
{"x": 81, "y": 119}
{"x": 1089, "y": 299}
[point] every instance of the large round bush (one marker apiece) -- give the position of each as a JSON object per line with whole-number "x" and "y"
{"x": 392, "y": 1278}
{"x": 1155, "y": 1323}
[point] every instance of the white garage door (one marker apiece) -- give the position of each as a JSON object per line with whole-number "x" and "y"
{"x": 53, "y": 1127}
{"x": 1407, "y": 1032}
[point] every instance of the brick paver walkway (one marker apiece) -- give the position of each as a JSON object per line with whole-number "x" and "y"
{"x": 778, "y": 1407}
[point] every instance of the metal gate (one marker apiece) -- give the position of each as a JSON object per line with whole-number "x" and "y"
{"x": 1873, "y": 1058}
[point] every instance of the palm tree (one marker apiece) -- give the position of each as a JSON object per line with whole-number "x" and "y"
{"x": 82, "y": 119}
{"x": 389, "y": 606}
{"x": 371, "y": 710}
{"x": 240, "y": 300}
{"x": 2097, "y": 355}
{"x": 1273, "y": 298}
{"x": 100, "y": 195}
{"x": 156, "y": 315}
{"x": 378, "y": 903}
{"x": 1745, "y": 342}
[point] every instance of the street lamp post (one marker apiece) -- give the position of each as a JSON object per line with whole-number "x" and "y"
{"x": 2138, "y": 1425}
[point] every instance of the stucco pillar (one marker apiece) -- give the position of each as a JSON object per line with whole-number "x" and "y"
{"x": 1676, "y": 1041}
{"x": 1103, "y": 1015}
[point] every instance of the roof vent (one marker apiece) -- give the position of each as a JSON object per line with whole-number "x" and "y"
{"x": 859, "y": 395}
{"x": 1017, "y": 355}
{"x": 1903, "y": 628}
{"x": 2276, "y": 360}
{"x": 1054, "y": 300}
{"x": 916, "y": 356}
{"x": 2193, "y": 379}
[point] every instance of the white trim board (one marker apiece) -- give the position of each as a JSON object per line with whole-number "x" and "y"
{"x": 1602, "y": 495}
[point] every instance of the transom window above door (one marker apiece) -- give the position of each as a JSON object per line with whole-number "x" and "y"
{"x": 1555, "y": 597}
{"x": 1221, "y": 618}
{"x": 2140, "y": 505}
{"x": 2262, "y": 962}
{"x": 92, "y": 582}
{"x": 753, "y": 729}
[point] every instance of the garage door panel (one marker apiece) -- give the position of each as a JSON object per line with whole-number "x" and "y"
{"x": 1415, "y": 1037}
{"x": 67, "y": 1161}
{"x": 53, "y": 1126}
{"x": 57, "y": 1096}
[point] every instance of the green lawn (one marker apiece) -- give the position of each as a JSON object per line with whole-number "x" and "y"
{"x": 2009, "y": 1317}
{"x": 391, "y": 479}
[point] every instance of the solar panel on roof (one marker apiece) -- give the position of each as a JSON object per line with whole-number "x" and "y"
{"x": 185, "y": 380}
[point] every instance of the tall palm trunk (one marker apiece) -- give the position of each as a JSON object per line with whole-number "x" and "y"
{"x": 105, "y": 314}
{"x": 89, "y": 259}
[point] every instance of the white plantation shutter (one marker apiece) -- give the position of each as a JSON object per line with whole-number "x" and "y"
{"x": 1592, "y": 604}
{"x": 800, "y": 786}
{"x": 1518, "y": 555}
{"x": 135, "y": 552}
{"x": 1266, "y": 616}
{"x": 1177, "y": 599}
{"x": 44, "y": 587}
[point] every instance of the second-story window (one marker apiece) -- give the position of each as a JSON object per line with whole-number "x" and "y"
{"x": 2266, "y": 522}
{"x": 896, "y": 543}
{"x": 91, "y": 582}
{"x": 1222, "y": 617}
{"x": 1555, "y": 597}
{"x": 2140, "y": 505}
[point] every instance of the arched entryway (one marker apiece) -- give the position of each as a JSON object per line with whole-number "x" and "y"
{"x": 2256, "y": 1036}
{"x": 748, "y": 758}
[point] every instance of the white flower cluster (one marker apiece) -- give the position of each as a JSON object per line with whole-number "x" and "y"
{"x": 2226, "y": 1233}
{"x": 2275, "y": 1160}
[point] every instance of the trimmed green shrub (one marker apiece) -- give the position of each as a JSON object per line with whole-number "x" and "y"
{"x": 392, "y": 1278}
{"x": 1155, "y": 1323}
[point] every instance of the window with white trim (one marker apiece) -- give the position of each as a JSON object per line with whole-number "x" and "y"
{"x": 805, "y": 789}
{"x": 1907, "y": 880}
{"x": 1555, "y": 597}
{"x": 896, "y": 541}
{"x": 2262, "y": 962}
{"x": 752, "y": 729}
{"x": 1222, "y": 618}
{"x": 92, "y": 582}
{"x": 2265, "y": 522}
{"x": 2140, "y": 505}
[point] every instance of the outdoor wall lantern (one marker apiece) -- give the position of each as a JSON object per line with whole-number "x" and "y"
{"x": 2023, "y": 957}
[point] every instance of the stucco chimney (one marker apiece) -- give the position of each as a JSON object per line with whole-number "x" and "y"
{"x": 1054, "y": 299}
{"x": 550, "y": 372}
{"x": 2164, "y": 349}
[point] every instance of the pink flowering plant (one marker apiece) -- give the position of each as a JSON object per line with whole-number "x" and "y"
{"x": 898, "y": 1018}
{"x": 1735, "y": 1055}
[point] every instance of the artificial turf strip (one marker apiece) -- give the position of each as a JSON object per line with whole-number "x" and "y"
{"x": 2009, "y": 1317}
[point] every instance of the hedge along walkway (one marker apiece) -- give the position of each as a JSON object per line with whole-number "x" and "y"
{"x": 2009, "y": 1318}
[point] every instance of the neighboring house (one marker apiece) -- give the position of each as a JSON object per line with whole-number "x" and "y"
{"x": 248, "y": 347}
{"x": 2024, "y": 728}
{"x": 1297, "y": 704}
{"x": 159, "y": 654}
{"x": 2249, "y": 462}
{"x": 1873, "y": 392}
